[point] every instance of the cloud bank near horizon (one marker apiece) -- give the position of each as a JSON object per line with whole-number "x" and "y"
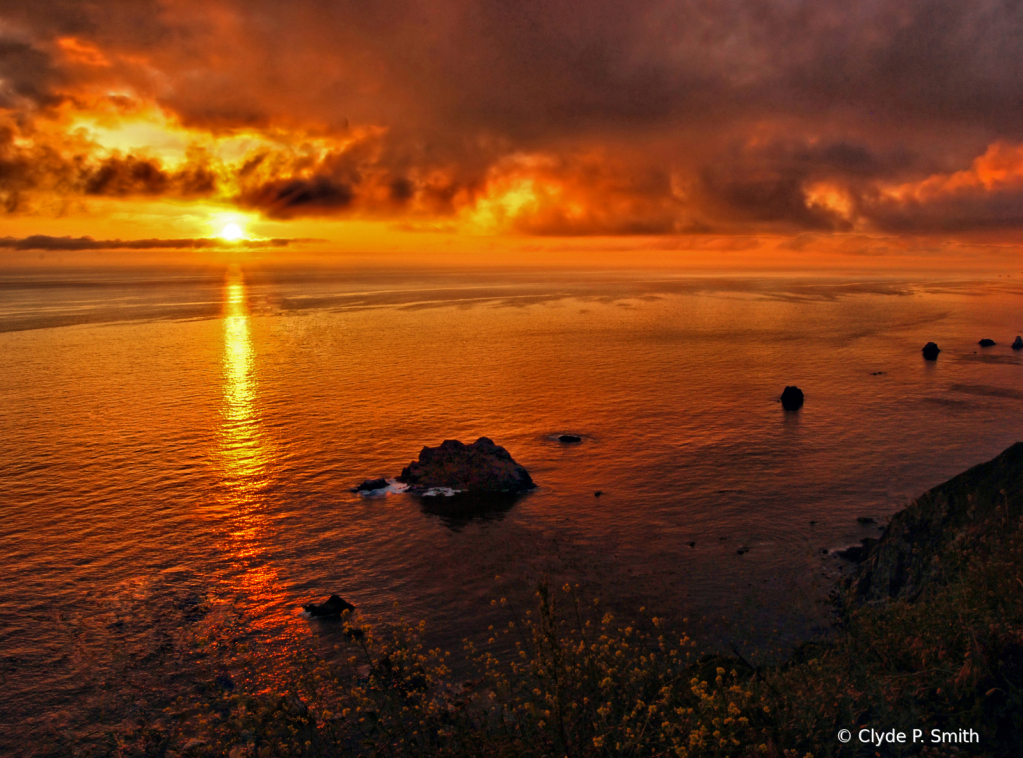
{"x": 559, "y": 118}
{"x": 42, "y": 242}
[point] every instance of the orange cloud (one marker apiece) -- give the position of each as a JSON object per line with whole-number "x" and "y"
{"x": 999, "y": 169}
{"x": 85, "y": 53}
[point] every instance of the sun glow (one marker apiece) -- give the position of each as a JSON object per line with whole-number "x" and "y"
{"x": 232, "y": 233}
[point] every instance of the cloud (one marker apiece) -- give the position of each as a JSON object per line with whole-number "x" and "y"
{"x": 44, "y": 242}
{"x": 987, "y": 195}
{"x": 558, "y": 118}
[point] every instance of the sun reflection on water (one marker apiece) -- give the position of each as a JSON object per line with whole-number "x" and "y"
{"x": 245, "y": 456}
{"x": 244, "y": 446}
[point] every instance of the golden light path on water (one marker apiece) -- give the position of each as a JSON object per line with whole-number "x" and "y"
{"x": 245, "y": 452}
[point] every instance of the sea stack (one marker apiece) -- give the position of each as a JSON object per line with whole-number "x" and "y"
{"x": 792, "y": 398}
{"x": 931, "y": 351}
{"x": 1018, "y": 344}
{"x": 481, "y": 467}
{"x": 986, "y": 343}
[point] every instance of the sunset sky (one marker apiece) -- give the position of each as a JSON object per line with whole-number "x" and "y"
{"x": 867, "y": 134}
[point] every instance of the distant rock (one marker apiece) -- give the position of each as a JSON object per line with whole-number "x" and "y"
{"x": 691, "y": 544}
{"x": 372, "y": 484}
{"x": 987, "y": 343}
{"x": 865, "y": 520}
{"x": 481, "y": 467}
{"x": 334, "y": 606}
{"x": 931, "y": 351}
{"x": 742, "y": 550}
{"x": 792, "y": 398}
{"x": 598, "y": 493}
{"x": 1018, "y": 344}
{"x": 570, "y": 438}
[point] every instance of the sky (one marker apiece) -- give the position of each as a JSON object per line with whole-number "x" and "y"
{"x": 700, "y": 132}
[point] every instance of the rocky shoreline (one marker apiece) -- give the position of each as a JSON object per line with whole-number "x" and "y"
{"x": 923, "y": 541}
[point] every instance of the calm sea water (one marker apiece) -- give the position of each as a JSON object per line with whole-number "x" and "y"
{"x": 171, "y": 438}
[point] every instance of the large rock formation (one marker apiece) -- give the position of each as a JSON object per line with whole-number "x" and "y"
{"x": 481, "y": 467}
{"x": 925, "y": 542}
{"x": 1018, "y": 343}
{"x": 931, "y": 351}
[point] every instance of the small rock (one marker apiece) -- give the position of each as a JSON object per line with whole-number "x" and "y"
{"x": 334, "y": 606}
{"x": 931, "y": 351}
{"x": 824, "y": 551}
{"x": 865, "y": 520}
{"x": 598, "y": 493}
{"x": 986, "y": 343}
{"x": 570, "y": 438}
{"x": 742, "y": 550}
{"x": 813, "y": 523}
{"x": 857, "y": 553}
{"x": 1018, "y": 344}
{"x": 878, "y": 373}
{"x": 691, "y": 544}
{"x": 372, "y": 484}
{"x": 792, "y": 398}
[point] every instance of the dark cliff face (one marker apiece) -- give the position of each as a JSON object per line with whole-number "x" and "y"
{"x": 479, "y": 467}
{"x": 925, "y": 542}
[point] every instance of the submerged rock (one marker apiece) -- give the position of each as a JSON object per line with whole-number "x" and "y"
{"x": 931, "y": 351}
{"x": 986, "y": 343}
{"x": 1018, "y": 344}
{"x": 792, "y": 398}
{"x": 372, "y": 484}
{"x": 334, "y": 606}
{"x": 479, "y": 467}
{"x": 570, "y": 438}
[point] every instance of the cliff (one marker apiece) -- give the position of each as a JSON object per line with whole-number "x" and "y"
{"x": 927, "y": 542}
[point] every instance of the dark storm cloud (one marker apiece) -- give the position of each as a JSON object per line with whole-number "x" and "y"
{"x": 740, "y": 107}
{"x": 35, "y": 165}
{"x": 129, "y": 175}
{"x": 70, "y": 244}
{"x": 25, "y": 74}
{"x": 293, "y": 197}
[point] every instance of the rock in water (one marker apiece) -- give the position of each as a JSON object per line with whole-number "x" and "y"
{"x": 792, "y": 399}
{"x": 986, "y": 343}
{"x": 570, "y": 438}
{"x": 1018, "y": 344}
{"x": 371, "y": 484}
{"x": 334, "y": 606}
{"x": 479, "y": 467}
{"x": 931, "y": 351}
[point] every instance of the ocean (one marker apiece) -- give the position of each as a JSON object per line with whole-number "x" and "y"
{"x": 176, "y": 439}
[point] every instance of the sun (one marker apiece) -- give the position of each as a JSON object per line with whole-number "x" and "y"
{"x": 232, "y": 233}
